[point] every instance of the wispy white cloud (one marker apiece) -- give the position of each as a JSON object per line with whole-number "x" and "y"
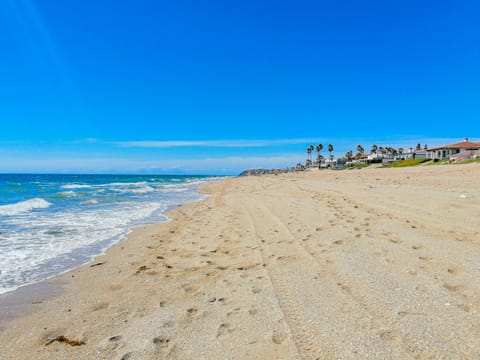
{"x": 213, "y": 143}
{"x": 89, "y": 141}
{"x": 339, "y": 143}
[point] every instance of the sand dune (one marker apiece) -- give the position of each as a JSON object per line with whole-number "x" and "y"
{"x": 373, "y": 263}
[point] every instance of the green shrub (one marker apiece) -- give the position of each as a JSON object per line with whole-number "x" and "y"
{"x": 409, "y": 162}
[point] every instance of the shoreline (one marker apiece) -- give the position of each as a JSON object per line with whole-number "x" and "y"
{"x": 67, "y": 229}
{"x": 377, "y": 262}
{"x": 20, "y": 301}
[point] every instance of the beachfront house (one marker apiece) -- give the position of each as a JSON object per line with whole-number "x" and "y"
{"x": 465, "y": 150}
{"x": 417, "y": 154}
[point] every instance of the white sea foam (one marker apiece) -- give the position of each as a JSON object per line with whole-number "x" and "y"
{"x": 142, "y": 190}
{"x": 75, "y": 186}
{"x": 38, "y": 244}
{"x": 91, "y": 202}
{"x": 49, "y": 237}
{"x": 23, "y": 206}
{"x": 135, "y": 190}
{"x": 122, "y": 184}
{"x": 174, "y": 187}
{"x": 67, "y": 194}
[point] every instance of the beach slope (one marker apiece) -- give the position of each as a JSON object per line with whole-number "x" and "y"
{"x": 373, "y": 263}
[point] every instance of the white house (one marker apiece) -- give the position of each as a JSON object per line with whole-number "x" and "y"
{"x": 447, "y": 151}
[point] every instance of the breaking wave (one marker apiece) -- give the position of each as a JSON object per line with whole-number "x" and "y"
{"x": 23, "y": 206}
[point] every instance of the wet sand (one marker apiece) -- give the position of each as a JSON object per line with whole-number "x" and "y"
{"x": 372, "y": 263}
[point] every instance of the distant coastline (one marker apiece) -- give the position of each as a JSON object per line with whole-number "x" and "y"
{"x": 463, "y": 152}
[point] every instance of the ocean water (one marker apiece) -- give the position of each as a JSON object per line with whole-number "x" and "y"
{"x": 52, "y": 223}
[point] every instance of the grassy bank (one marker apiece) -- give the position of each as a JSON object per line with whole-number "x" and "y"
{"x": 405, "y": 163}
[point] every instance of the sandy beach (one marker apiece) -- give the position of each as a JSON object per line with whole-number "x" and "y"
{"x": 372, "y": 263}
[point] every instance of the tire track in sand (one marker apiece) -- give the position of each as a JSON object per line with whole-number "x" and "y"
{"x": 305, "y": 342}
{"x": 381, "y": 317}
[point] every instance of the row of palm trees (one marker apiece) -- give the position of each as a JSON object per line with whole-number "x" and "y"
{"x": 378, "y": 150}
{"x": 319, "y": 157}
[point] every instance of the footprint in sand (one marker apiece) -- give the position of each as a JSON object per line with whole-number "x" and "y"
{"x": 279, "y": 337}
{"x": 190, "y": 288}
{"x": 425, "y": 258}
{"x": 161, "y": 341}
{"x": 112, "y": 343}
{"x": 256, "y": 290}
{"x": 192, "y": 311}
{"x": 115, "y": 287}
{"x": 455, "y": 288}
{"x": 454, "y": 270}
{"x": 224, "y": 329}
{"x": 99, "y": 306}
{"x": 390, "y": 336}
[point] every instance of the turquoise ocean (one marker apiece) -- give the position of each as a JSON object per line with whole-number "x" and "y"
{"x": 52, "y": 223}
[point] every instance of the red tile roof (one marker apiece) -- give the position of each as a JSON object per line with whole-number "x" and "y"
{"x": 461, "y": 145}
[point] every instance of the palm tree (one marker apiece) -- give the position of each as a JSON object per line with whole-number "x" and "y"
{"x": 374, "y": 150}
{"x": 389, "y": 151}
{"x": 349, "y": 155}
{"x": 381, "y": 151}
{"x": 309, "y": 154}
{"x": 361, "y": 150}
{"x": 330, "y": 149}
{"x": 319, "y": 148}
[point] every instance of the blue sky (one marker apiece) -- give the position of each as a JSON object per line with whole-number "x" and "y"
{"x": 218, "y": 86}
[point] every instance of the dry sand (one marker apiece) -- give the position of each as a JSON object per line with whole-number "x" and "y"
{"x": 373, "y": 263}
